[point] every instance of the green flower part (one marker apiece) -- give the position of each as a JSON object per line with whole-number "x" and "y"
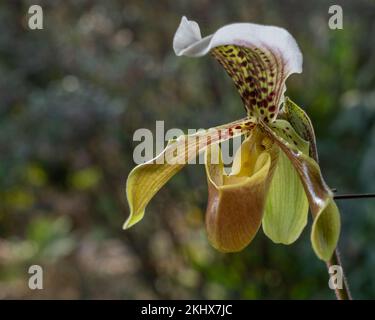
{"x": 274, "y": 178}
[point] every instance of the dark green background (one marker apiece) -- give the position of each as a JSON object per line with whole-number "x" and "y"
{"x": 71, "y": 97}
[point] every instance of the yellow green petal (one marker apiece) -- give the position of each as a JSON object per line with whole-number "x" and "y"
{"x": 145, "y": 180}
{"x": 318, "y": 194}
{"x": 326, "y": 231}
{"x": 287, "y": 206}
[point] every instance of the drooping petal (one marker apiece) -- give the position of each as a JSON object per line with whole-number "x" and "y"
{"x": 258, "y": 58}
{"x": 326, "y": 228}
{"x": 325, "y": 231}
{"x": 287, "y": 206}
{"x": 301, "y": 122}
{"x": 236, "y": 202}
{"x": 145, "y": 180}
{"x": 326, "y": 225}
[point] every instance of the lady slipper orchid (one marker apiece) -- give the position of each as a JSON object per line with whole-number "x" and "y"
{"x": 274, "y": 177}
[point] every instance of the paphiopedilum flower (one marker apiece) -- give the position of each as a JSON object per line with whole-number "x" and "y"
{"x": 275, "y": 177}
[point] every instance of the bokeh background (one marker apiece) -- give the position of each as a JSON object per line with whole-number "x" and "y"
{"x": 71, "y": 97}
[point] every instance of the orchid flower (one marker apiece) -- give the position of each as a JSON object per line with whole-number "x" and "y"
{"x": 275, "y": 176}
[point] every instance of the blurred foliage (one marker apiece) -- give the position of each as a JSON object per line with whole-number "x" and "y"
{"x": 71, "y": 97}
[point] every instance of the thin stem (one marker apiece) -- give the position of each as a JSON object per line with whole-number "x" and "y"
{"x": 354, "y": 196}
